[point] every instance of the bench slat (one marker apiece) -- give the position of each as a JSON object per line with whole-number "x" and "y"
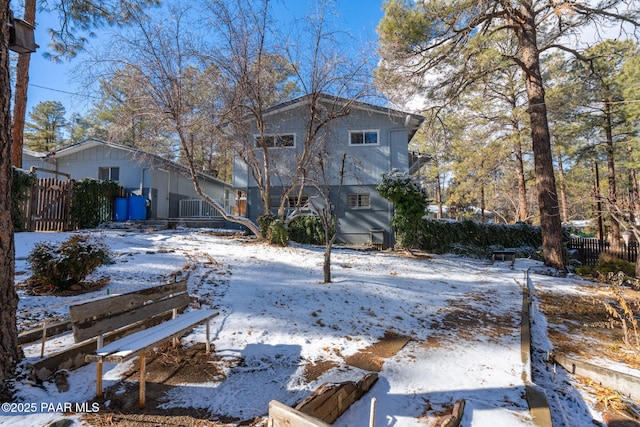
{"x": 89, "y": 328}
{"x": 123, "y": 302}
{"x": 132, "y": 345}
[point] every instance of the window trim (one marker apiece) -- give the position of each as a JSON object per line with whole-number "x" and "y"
{"x": 358, "y": 198}
{"x": 364, "y": 132}
{"x": 275, "y": 136}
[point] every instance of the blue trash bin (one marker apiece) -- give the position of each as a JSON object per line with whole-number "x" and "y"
{"x": 137, "y": 208}
{"x": 121, "y": 209}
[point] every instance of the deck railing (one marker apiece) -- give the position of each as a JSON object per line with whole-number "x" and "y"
{"x": 198, "y": 208}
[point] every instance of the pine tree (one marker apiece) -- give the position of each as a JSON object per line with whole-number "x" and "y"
{"x": 43, "y": 131}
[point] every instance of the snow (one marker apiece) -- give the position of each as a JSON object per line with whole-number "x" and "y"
{"x": 277, "y": 315}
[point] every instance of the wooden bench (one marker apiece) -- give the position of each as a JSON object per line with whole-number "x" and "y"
{"x": 503, "y": 256}
{"x": 98, "y": 317}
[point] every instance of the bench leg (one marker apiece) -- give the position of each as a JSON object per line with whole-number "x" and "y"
{"x": 99, "y": 379}
{"x": 143, "y": 368}
{"x": 207, "y": 343}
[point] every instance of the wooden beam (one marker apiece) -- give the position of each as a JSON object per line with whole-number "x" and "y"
{"x": 330, "y": 401}
{"x": 143, "y": 371}
{"x": 283, "y": 416}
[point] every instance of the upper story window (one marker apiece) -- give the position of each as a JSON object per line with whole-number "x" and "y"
{"x": 355, "y": 201}
{"x": 109, "y": 174}
{"x": 283, "y": 140}
{"x": 363, "y": 137}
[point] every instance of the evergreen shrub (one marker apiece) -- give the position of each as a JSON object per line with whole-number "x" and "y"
{"x": 277, "y": 234}
{"x": 606, "y": 266}
{"x": 91, "y": 202}
{"x": 264, "y": 222}
{"x": 69, "y": 263}
{"x": 22, "y": 182}
{"x": 473, "y": 238}
{"x": 410, "y": 203}
{"x": 306, "y": 229}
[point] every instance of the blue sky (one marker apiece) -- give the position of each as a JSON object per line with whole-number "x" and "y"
{"x": 56, "y": 82}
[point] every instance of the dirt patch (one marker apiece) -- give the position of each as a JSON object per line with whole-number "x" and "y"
{"x": 313, "y": 371}
{"x": 372, "y": 358}
{"x": 464, "y": 320}
{"x": 33, "y": 287}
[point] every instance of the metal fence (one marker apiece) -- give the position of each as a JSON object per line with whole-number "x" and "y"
{"x": 589, "y": 250}
{"x": 198, "y": 208}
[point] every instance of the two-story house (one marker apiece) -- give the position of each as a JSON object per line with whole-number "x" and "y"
{"x": 372, "y": 140}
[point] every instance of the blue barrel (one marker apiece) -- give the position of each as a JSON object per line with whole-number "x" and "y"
{"x": 121, "y": 209}
{"x": 137, "y": 208}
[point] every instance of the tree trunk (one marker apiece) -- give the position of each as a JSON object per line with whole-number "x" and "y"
{"x": 439, "y": 197}
{"x": 22, "y": 85}
{"x": 9, "y": 350}
{"x": 563, "y": 190}
{"x": 616, "y": 242}
{"x": 550, "y": 224}
{"x": 482, "y": 204}
{"x": 634, "y": 204}
{"x": 326, "y": 266}
{"x": 522, "y": 183}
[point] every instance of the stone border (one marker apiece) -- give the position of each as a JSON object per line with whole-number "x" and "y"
{"x": 536, "y": 397}
{"x": 625, "y": 384}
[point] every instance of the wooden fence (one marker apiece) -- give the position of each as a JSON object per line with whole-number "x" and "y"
{"x": 48, "y": 207}
{"x": 589, "y": 250}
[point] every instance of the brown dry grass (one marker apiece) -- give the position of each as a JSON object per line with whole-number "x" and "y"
{"x": 580, "y": 325}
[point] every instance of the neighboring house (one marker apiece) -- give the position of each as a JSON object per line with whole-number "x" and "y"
{"x": 167, "y": 185}
{"x": 375, "y": 140}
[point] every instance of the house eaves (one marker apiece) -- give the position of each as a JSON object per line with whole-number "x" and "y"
{"x": 410, "y": 120}
{"x": 136, "y": 153}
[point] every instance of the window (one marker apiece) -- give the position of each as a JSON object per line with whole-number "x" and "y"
{"x": 109, "y": 174}
{"x": 284, "y": 140}
{"x": 293, "y": 201}
{"x": 355, "y": 201}
{"x": 363, "y": 137}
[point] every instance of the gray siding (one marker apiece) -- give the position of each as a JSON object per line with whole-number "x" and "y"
{"x": 162, "y": 182}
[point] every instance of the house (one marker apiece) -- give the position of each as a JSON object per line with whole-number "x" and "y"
{"x": 373, "y": 139}
{"x": 166, "y": 185}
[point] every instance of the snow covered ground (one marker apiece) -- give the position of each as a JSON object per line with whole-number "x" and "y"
{"x": 463, "y": 316}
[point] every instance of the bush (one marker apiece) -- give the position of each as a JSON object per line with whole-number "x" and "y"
{"x": 306, "y": 229}
{"x": 606, "y": 266}
{"x": 410, "y": 203}
{"x": 22, "y": 182}
{"x": 264, "y": 222}
{"x": 277, "y": 234}
{"x": 91, "y": 202}
{"x": 68, "y": 264}
{"x": 473, "y": 238}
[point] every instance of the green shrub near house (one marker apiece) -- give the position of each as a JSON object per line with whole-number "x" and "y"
{"x": 480, "y": 239}
{"x": 91, "y": 202}
{"x": 23, "y": 181}
{"x": 306, "y": 229}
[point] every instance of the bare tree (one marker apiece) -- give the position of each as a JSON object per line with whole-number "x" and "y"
{"x": 266, "y": 72}
{"x": 327, "y": 210}
{"x": 178, "y": 85}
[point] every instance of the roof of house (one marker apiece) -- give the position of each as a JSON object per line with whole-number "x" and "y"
{"x": 89, "y": 143}
{"x": 411, "y": 121}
